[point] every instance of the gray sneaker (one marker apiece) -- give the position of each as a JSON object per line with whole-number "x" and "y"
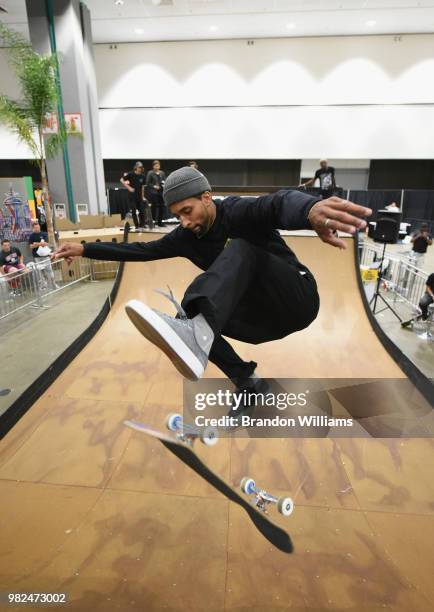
{"x": 187, "y": 342}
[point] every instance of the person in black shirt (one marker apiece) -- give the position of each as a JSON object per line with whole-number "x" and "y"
{"x": 37, "y": 239}
{"x": 11, "y": 260}
{"x": 421, "y": 240}
{"x": 154, "y": 189}
{"x": 135, "y": 183}
{"x": 428, "y": 296}
{"x": 38, "y": 242}
{"x": 326, "y": 176}
{"x": 253, "y": 287}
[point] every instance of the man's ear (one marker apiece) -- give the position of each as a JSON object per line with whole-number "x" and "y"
{"x": 207, "y": 198}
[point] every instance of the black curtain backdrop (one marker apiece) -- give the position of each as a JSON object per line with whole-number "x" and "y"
{"x": 375, "y": 199}
{"x": 15, "y": 168}
{"x": 419, "y": 207}
{"x": 118, "y": 201}
{"x": 401, "y": 174}
{"x": 220, "y": 172}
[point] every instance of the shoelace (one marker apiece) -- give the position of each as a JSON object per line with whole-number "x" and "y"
{"x": 179, "y": 309}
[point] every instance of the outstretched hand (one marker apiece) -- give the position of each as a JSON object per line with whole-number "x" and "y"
{"x": 328, "y": 216}
{"x": 68, "y": 250}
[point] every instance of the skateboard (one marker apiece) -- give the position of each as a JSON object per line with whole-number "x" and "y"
{"x": 410, "y": 322}
{"x": 181, "y": 445}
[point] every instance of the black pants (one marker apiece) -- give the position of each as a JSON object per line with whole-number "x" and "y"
{"x": 425, "y": 301}
{"x": 250, "y": 295}
{"x": 158, "y": 207}
{"x": 137, "y": 204}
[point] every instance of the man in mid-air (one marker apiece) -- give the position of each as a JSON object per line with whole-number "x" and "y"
{"x": 253, "y": 287}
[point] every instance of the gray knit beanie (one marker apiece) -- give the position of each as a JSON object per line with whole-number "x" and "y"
{"x": 184, "y": 183}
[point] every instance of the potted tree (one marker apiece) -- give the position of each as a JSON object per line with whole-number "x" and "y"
{"x": 37, "y": 76}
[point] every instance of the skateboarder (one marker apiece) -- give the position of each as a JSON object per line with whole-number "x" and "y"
{"x": 253, "y": 287}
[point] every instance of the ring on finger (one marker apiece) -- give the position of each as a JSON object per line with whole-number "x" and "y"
{"x": 326, "y": 222}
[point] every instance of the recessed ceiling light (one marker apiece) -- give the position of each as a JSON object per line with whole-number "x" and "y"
{"x": 371, "y": 23}
{"x": 213, "y": 28}
{"x": 139, "y": 31}
{"x": 119, "y": 2}
{"x": 290, "y": 26}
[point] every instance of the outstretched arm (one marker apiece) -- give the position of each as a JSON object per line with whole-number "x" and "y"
{"x": 166, "y": 247}
{"x": 294, "y": 210}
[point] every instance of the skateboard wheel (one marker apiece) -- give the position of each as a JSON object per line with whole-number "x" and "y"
{"x": 248, "y": 485}
{"x": 209, "y": 437}
{"x": 174, "y": 422}
{"x": 285, "y": 505}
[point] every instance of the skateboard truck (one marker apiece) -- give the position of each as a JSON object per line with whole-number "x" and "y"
{"x": 188, "y": 433}
{"x": 285, "y": 505}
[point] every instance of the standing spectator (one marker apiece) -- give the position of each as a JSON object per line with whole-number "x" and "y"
{"x": 420, "y": 240}
{"x": 41, "y": 216}
{"x": 38, "y": 242}
{"x": 11, "y": 260}
{"x": 135, "y": 183}
{"x": 326, "y": 176}
{"x": 154, "y": 183}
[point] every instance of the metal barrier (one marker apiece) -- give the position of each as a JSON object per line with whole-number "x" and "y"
{"x": 400, "y": 275}
{"x": 30, "y": 287}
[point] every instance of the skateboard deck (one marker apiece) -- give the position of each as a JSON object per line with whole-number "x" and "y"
{"x": 270, "y": 530}
{"x": 409, "y": 321}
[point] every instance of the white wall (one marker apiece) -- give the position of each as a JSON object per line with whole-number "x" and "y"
{"x": 292, "y": 71}
{"x": 347, "y": 97}
{"x": 277, "y": 133}
{"x": 358, "y": 97}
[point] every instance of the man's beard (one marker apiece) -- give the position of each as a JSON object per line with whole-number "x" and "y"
{"x": 200, "y": 233}
{"x": 204, "y": 228}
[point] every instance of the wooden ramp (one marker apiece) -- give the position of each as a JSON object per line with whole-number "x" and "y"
{"x": 94, "y": 509}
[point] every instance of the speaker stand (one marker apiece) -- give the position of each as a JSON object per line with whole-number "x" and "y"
{"x": 377, "y": 293}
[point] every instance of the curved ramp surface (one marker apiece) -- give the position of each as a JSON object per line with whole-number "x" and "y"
{"x": 94, "y": 509}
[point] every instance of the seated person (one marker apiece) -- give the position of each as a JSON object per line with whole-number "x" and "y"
{"x": 428, "y": 297}
{"x": 393, "y": 207}
{"x": 11, "y": 260}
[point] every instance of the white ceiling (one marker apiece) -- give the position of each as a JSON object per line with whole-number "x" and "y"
{"x": 145, "y": 20}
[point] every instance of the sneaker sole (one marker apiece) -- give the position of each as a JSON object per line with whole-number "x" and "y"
{"x": 155, "y": 329}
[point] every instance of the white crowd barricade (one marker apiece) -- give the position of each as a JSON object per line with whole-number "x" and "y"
{"x": 400, "y": 275}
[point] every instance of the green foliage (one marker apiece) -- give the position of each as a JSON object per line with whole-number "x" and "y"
{"x": 36, "y": 75}
{"x": 15, "y": 118}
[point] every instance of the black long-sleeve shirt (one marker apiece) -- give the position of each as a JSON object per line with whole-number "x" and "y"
{"x": 155, "y": 179}
{"x": 254, "y": 219}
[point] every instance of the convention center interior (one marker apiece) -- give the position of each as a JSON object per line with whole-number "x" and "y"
{"x": 217, "y": 305}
